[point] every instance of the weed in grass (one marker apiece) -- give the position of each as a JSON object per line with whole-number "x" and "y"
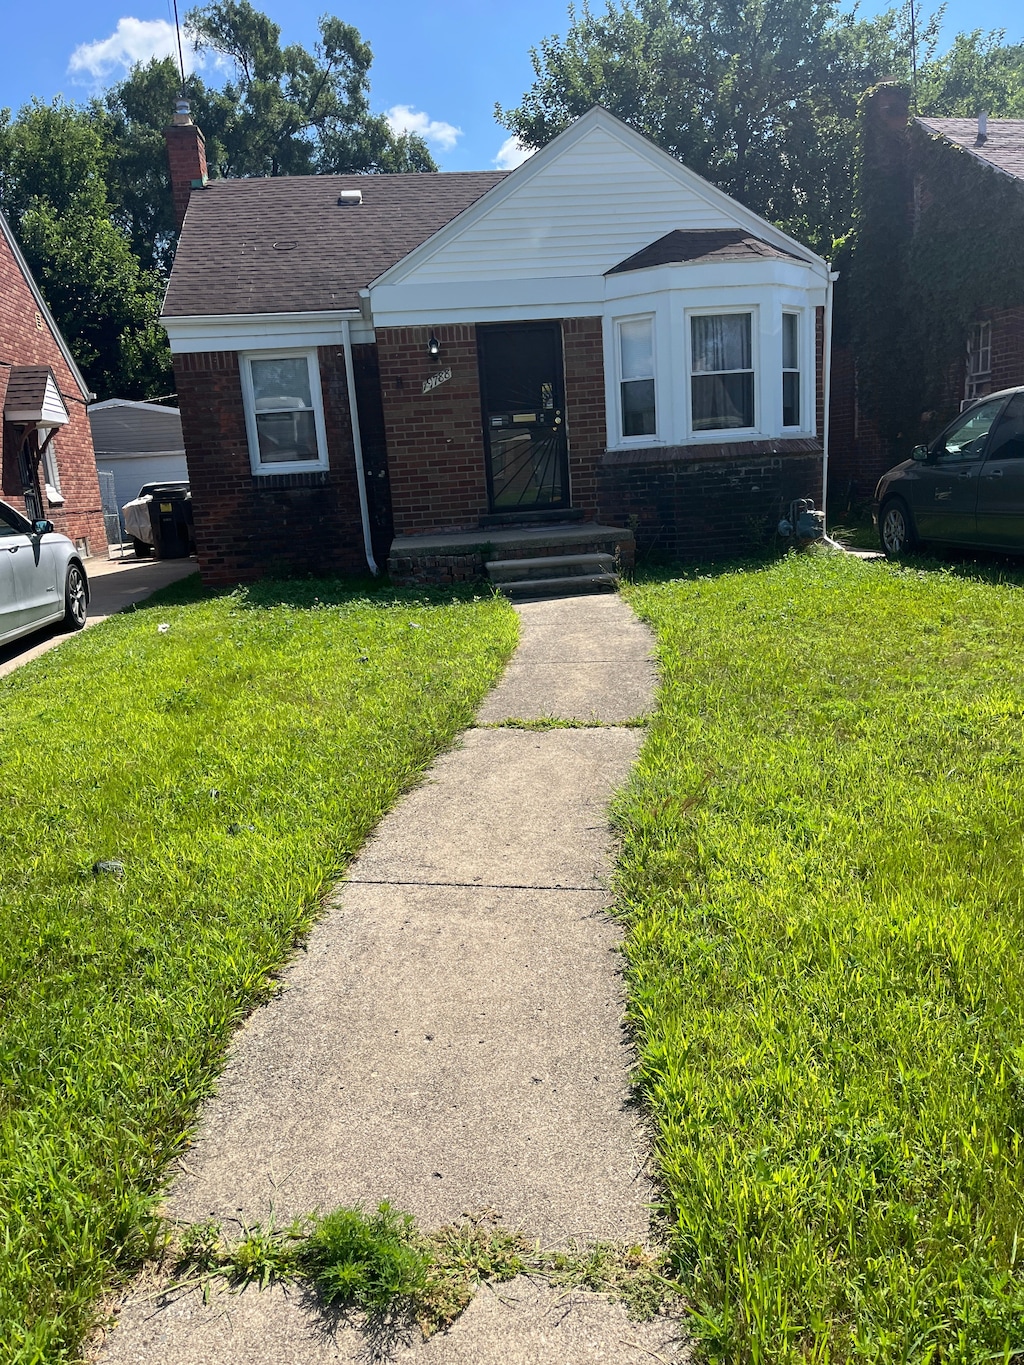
{"x": 823, "y": 892}
{"x": 380, "y": 1265}
{"x": 231, "y": 766}
{"x": 370, "y": 1262}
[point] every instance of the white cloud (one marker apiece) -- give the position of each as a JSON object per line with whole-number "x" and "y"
{"x": 511, "y": 154}
{"x": 403, "y": 118}
{"x": 134, "y": 40}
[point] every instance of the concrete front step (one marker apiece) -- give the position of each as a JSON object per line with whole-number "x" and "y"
{"x": 513, "y": 570}
{"x": 559, "y": 587}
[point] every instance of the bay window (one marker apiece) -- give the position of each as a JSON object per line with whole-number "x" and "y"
{"x": 721, "y": 372}
{"x": 284, "y": 412}
{"x": 636, "y": 377}
{"x": 790, "y": 370}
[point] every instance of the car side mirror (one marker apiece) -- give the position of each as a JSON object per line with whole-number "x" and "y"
{"x": 42, "y": 528}
{"x": 920, "y": 454}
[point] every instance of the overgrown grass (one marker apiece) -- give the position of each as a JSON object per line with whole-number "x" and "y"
{"x": 822, "y": 880}
{"x": 231, "y": 764}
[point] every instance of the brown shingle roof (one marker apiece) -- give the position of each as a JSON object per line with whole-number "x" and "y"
{"x": 286, "y": 246}
{"x": 707, "y": 244}
{"x": 26, "y": 388}
{"x": 1002, "y": 149}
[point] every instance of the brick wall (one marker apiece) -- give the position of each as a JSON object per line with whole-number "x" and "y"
{"x": 25, "y": 339}
{"x": 710, "y": 502}
{"x": 584, "y": 409}
{"x": 248, "y": 526}
{"x": 1007, "y": 346}
{"x": 434, "y": 440}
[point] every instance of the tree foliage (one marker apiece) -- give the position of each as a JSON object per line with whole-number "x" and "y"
{"x": 53, "y": 187}
{"x": 87, "y": 189}
{"x": 759, "y": 96}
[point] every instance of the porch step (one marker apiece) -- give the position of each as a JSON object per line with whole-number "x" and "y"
{"x": 546, "y": 567}
{"x": 567, "y": 586}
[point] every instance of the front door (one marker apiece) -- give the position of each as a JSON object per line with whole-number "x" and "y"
{"x": 522, "y": 397}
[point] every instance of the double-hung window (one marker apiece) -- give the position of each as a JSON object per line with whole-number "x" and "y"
{"x": 790, "y": 370}
{"x": 721, "y": 371}
{"x": 636, "y": 377}
{"x": 284, "y": 412}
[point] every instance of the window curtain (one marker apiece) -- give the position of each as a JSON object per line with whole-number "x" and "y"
{"x": 722, "y": 382}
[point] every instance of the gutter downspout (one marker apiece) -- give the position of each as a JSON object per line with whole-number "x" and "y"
{"x": 357, "y": 446}
{"x": 826, "y": 365}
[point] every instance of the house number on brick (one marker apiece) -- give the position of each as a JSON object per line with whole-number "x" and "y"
{"x": 435, "y": 380}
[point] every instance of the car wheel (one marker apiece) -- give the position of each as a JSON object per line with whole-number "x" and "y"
{"x": 76, "y": 599}
{"x": 895, "y": 529}
{"x": 142, "y": 550}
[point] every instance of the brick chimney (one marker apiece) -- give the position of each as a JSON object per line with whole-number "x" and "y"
{"x": 186, "y": 153}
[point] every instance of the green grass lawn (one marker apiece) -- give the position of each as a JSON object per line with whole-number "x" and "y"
{"x": 231, "y": 764}
{"x": 822, "y": 880}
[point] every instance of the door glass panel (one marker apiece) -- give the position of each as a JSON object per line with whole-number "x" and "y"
{"x": 965, "y": 439}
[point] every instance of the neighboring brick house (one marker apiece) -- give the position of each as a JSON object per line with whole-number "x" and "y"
{"x": 48, "y": 469}
{"x": 921, "y": 160}
{"x": 595, "y": 346}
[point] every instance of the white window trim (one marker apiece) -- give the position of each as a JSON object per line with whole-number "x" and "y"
{"x": 800, "y": 371}
{"x": 650, "y": 437}
{"x": 722, "y": 434}
{"x": 262, "y": 467}
{"x": 978, "y": 376}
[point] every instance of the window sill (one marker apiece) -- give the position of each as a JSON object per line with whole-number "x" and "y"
{"x": 714, "y": 450}
{"x": 297, "y": 478}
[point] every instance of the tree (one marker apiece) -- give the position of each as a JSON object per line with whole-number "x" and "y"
{"x": 88, "y": 189}
{"x": 291, "y": 112}
{"x": 53, "y": 168}
{"x": 979, "y": 73}
{"x": 758, "y": 96}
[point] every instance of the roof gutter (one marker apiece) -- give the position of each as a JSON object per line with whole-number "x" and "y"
{"x": 357, "y": 447}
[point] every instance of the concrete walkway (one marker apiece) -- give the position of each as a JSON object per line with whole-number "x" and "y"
{"x": 113, "y": 585}
{"x": 451, "y": 1039}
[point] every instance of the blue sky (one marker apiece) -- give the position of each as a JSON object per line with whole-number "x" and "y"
{"x": 440, "y": 66}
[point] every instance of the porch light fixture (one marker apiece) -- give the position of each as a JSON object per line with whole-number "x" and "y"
{"x": 433, "y": 345}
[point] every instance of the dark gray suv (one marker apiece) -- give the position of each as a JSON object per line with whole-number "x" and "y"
{"x": 966, "y": 487}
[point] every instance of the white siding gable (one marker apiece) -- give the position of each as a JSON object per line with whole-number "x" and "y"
{"x": 596, "y": 195}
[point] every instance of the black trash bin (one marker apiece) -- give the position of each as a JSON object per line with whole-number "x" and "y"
{"x": 170, "y": 515}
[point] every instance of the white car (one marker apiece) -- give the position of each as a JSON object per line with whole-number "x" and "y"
{"x": 42, "y": 577}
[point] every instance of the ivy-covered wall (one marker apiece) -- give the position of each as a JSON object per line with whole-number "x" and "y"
{"x": 938, "y": 242}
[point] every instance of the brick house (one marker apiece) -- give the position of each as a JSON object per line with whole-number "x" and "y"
{"x": 437, "y": 370}
{"x": 923, "y": 162}
{"x": 48, "y": 469}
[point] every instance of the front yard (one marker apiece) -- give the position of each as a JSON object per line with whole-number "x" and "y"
{"x": 822, "y": 879}
{"x": 217, "y": 762}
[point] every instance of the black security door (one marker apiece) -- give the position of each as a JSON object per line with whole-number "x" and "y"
{"x": 523, "y": 407}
